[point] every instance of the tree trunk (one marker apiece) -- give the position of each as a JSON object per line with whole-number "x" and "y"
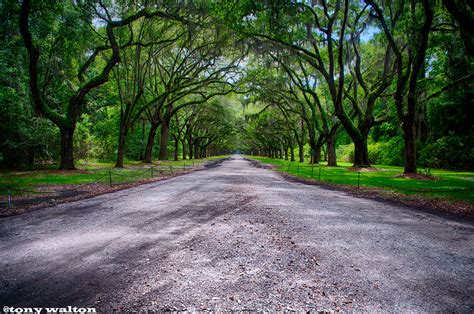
{"x": 317, "y": 155}
{"x": 359, "y": 137}
{"x": 286, "y": 153}
{"x": 301, "y": 152}
{"x": 184, "y": 148}
{"x": 142, "y": 141}
{"x": 196, "y": 150}
{"x": 165, "y": 127}
{"x": 314, "y": 147}
{"x": 361, "y": 154}
{"x": 66, "y": 153}
{"x": 176, "y": 148}
{"x": 150, "y": 143}
{"x": 121, "y": 147}
{"x": 331, "y": 150}
{"x": 301, "y": 142}
{"x": 410, "y": 145}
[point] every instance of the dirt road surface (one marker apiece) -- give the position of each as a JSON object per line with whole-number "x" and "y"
{"x": 236, "y": 237}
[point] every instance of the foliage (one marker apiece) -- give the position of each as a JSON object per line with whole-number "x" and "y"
{"x": 291, "y": 79}
{"x": 450, "y": 151}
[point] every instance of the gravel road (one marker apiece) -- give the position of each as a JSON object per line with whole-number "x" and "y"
{"x": 236, "y": 237}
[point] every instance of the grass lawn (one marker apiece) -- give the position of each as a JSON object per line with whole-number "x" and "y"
{"x": 450, "y": 185}
{"x": 25, "y": 181}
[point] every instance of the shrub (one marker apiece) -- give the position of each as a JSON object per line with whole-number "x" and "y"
{"x": 451, "y": 151}
{"x": 345, "y": 152}
{"x": 375, "y": 152}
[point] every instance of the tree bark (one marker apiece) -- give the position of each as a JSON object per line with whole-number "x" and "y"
{"x": 196, "y": 150}
{"x": 150, "y": 143}
{"x": 66, "y": 149}
{"x": 301, "y": 142}
{"x": 142, "y": 151}
{"x": 313, "y": 146}
{"x": 176, "y": 148}
{"x": 164, "y": 140}
{"x": 184, "y": 148}
{"x": 317, "y": 154}
{"x": 409, "y": 136}
{"x": 331, "y": 150}
{"x": 361, "y": 153}
{"x": 121, "y": 147}
{"x": 301, "y": 152}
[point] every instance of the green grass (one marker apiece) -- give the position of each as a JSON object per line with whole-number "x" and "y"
{"x": 20, "y": 182}
{"x": 451, "y": 185}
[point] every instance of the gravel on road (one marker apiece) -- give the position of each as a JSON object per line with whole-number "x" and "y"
{"x": 236, "y": 237}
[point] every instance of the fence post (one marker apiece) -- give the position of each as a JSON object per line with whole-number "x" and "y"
{"x": 193, "y": 164}
{"x": 312, "y": 167}
{"x": 110, "y": 178}
{"x": 171, "y": 169}
{"x": 9, "y": 199}
{"x": 319, "y": 173}
{"x": 184, "y": 166}
{"x": 151, "y": 172}
{"x": 358, "y": 179}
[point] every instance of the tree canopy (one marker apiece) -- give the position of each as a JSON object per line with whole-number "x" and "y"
{"x": 369, "y": 81}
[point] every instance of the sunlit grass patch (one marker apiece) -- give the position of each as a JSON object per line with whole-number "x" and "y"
{"x": 450, "y": 185}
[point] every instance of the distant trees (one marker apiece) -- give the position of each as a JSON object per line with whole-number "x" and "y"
{"x": 189, "y": 72}
{"x": 130, "y": 75}
{"x": 363, "y": 57}
{"x": 316, "y": 51}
